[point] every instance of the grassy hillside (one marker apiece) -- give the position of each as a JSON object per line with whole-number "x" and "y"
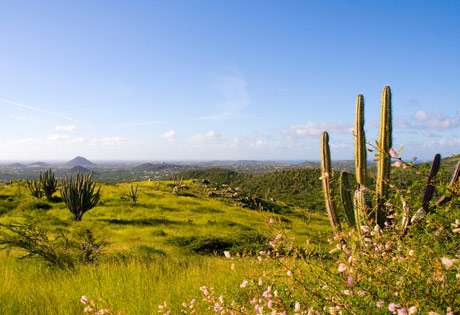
{"x": 161, "y": 249}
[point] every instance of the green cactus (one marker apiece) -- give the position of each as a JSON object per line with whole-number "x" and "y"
{"x": 326, "y": 174}
{"x": 35, "y": 188}
{"x": 384, "y": 160}
{"x": 360, "y": 143}
{"x": 48, "y": 183}
{"x": 346, "y": 199}
{"x": 361, "y": 197}
{"x": 79, "y": 193}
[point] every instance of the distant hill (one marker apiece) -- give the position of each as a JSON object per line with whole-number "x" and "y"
{"x": 16, "y": 165}
{"x": 80, "y": 161}
{"x": 79, "y": 170}
{"x": 155, "y": 167}
{"x": 38, "y": 164}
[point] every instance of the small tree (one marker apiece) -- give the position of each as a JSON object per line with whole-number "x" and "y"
{"x": 48, "y": 183}
{"x": 80, "y": 194}
{"x": 35, "y": 188}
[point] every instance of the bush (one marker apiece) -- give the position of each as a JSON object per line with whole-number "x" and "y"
{"x": 48, "y": 183}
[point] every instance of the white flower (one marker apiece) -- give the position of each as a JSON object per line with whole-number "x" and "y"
{"x": 402, "y": 311}
{"x": 84, "y": 300}
{"x": 227, "y": 254}
{"x": 289, "y": 273}
{"x": 392, "y": 307}
{"x": 342, "y": 267}
{"x": 380, "y": 304}
{"x": 244, "y": 284}
{"x": 412, "y": 310}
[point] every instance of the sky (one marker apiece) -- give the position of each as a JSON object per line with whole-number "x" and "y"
{"x": 204, "y": 80}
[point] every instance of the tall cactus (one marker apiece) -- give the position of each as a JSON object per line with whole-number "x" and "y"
{"x": 360, "y": 143}
{"x": 361, "y": 198}
{"x": 326, "y": 174}
{"x": 384, "y": 160}
{"x": 49, "y": 183}
{"x": 80, "y": 194}
{"x": 346, "y": 199}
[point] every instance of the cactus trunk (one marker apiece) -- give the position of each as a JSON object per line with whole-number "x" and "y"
{"x": 384, "y": 160}
{"x": 326, "y": 173}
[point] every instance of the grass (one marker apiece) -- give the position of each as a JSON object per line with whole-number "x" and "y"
{"x": 161, "y": 249}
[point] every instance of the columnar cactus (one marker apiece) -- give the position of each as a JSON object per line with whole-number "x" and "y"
{"x": 360, "y": 143}
{"x": 361, "y": 198}
{"x": 326, "y": 174}
{"x": 80, "y": 194}
{"x": 384, "y": 160}
{"x": 346, "y": 199}
{"x": 49, "y": 183}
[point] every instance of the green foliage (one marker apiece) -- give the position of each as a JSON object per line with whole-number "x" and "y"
{"x": 80, "y": 194}
{"x": 48, "y": 183}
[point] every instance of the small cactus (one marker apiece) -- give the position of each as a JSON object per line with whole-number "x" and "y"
{"x": 345, "y": 197}
{"x": 384, "y": 160}
{"x": 326, "y": 174}
{"x": 35, "y": 188}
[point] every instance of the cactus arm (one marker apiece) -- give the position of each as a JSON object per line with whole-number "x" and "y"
{"x": 326, "y": 173}
{"x": 384, "y": 159}
{"x": 346, "y": 199}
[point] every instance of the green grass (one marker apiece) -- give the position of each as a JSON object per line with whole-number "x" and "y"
{"x": 161, "y": 249}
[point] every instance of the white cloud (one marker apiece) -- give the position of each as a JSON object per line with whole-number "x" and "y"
{"x": 169, "y": 135}
{"x": 210, "y": 136}
{"x": 313, "y": 129}
{"x": 66, "y": 128}
{"x": 423, "y": 120}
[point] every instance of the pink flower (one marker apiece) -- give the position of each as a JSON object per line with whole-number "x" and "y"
{"x": 297, "y": 307}
{"x": 402, "y": 311}
{"x": 393, "y": 153}
{"x": 392, "y": 307}
{"x": 380, "y": 304}
{"x": 350, "y": 281}
{"x": 448, "y": 262}
{"x": 342, "y": 267}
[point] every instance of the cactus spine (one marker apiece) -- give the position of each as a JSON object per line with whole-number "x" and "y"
{"x": 384, "y": 160}
{"x": 326, "y": 173}
{"x": 345, "y": 197}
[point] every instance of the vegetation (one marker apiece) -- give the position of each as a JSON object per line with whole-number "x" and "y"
{"x": 80, "y": 194}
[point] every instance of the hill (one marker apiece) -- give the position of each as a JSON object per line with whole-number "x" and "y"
{"x": 80, "y": 161}
{"x": 155, "y": 167}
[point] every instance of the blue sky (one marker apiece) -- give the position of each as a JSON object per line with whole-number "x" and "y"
{"x": 177, "y": 80}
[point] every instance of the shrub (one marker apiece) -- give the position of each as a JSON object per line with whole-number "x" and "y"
{"x": 80, "y": 194}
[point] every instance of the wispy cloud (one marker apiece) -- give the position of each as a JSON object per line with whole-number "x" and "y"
{"x": 210, "y": 136}
{"x": 142, "y": 123}
{"x": 108, "y": 141}
{"x": 66, "y": 128}
{"x": 65, "y": 139}
{"x": 34, "y": 109}
{"x": 169, "y": 135}
{"x": 423, "y": 120}
{"x": 234, "y": 91}
{"x": 313, "y": 129}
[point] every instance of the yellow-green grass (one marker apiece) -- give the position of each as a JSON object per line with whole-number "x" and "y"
{"x": 137, "y": 286}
